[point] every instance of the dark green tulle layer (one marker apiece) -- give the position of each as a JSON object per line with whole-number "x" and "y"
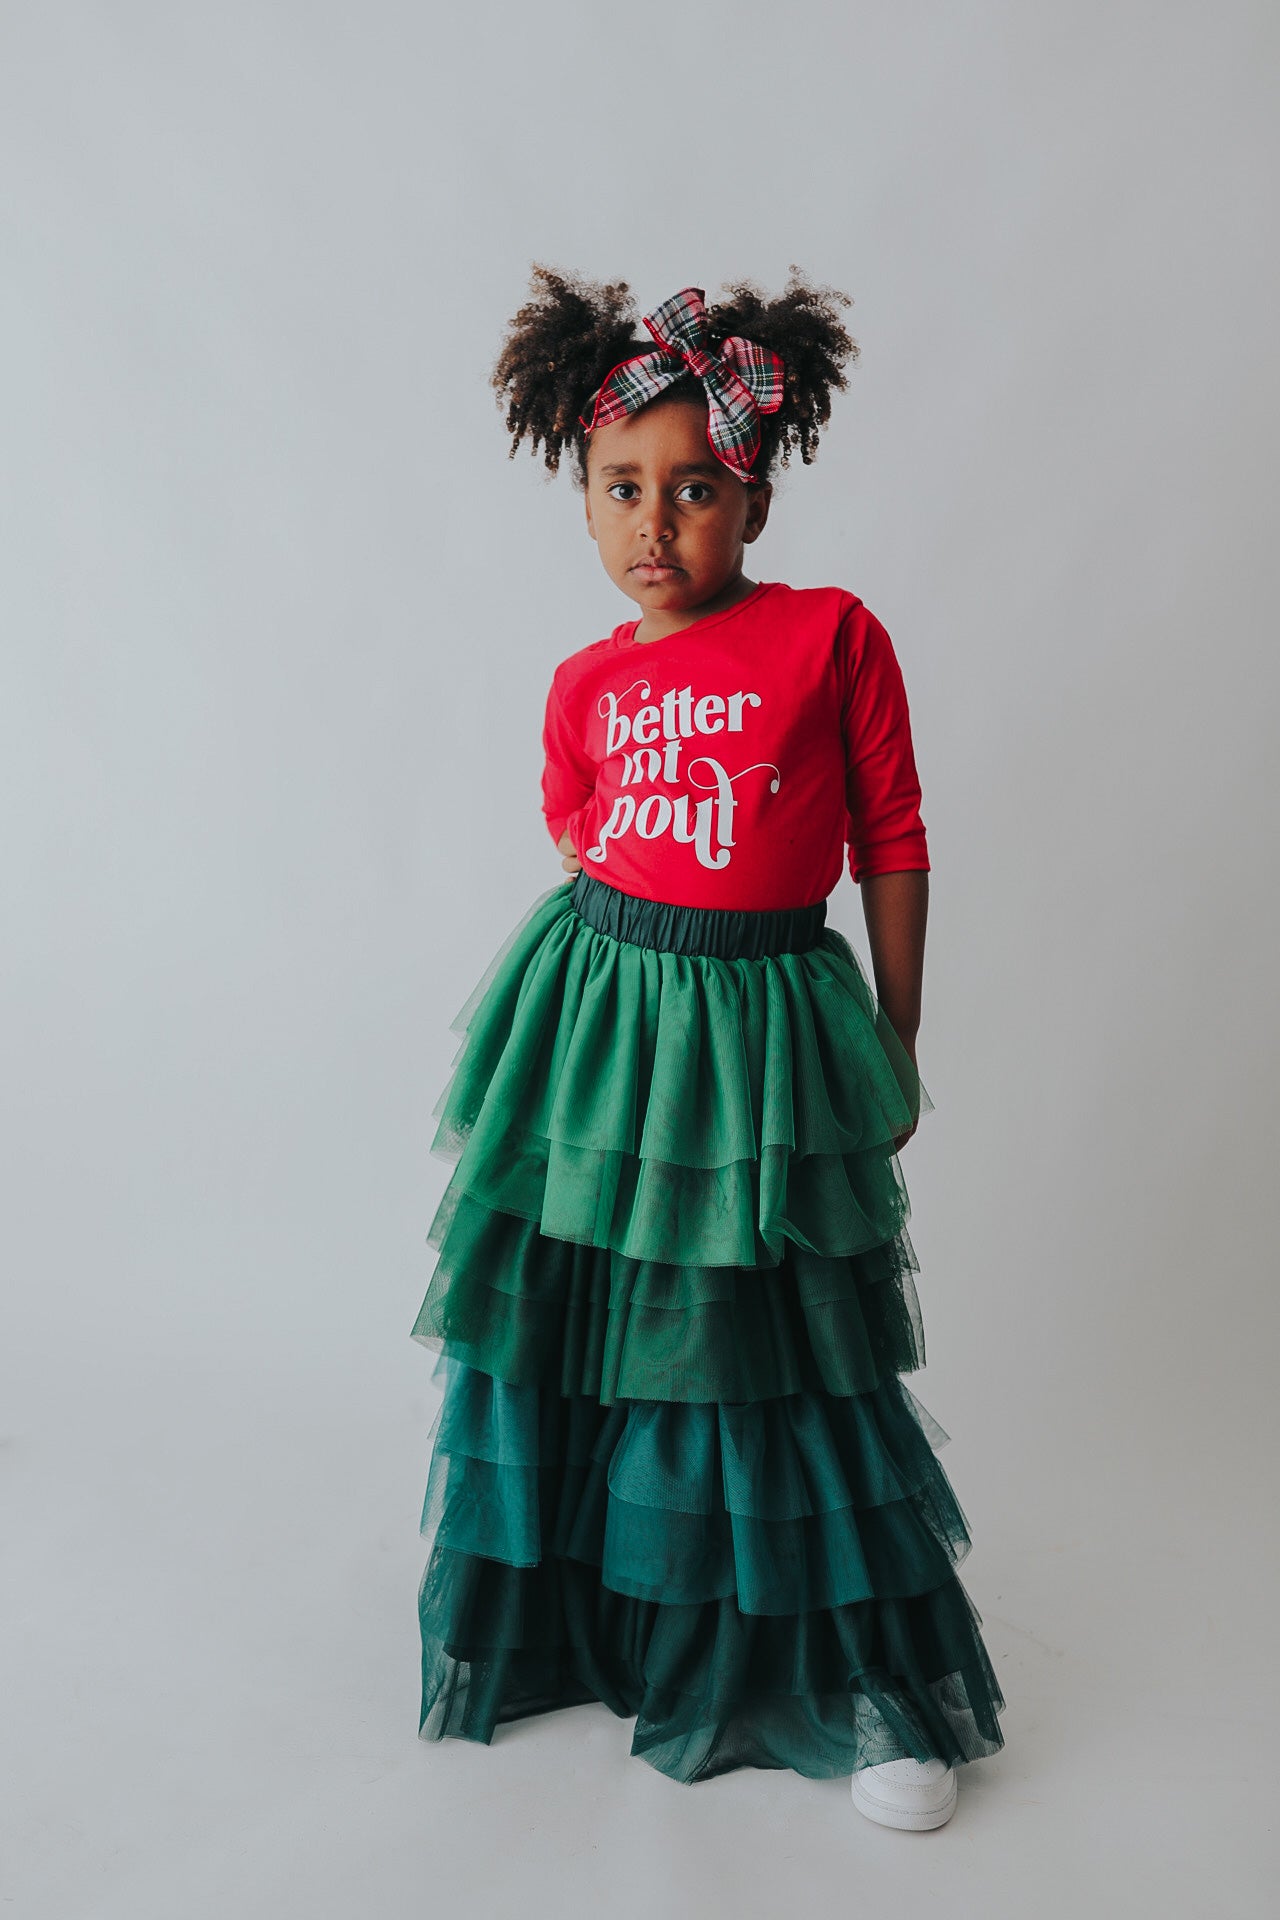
{"x": 711, "y": 1687}
{"x": 675, "y": 1468}
{"x": 526, "y": 1308}
{"x": 782, "y": 1505}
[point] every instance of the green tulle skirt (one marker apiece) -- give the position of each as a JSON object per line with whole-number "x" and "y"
{"x": 675, "y": 1467}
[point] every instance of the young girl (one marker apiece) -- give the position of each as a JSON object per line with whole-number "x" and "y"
{"x": 675, "y": 1468}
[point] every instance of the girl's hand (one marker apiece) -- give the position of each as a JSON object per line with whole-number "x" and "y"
{"x": 901, "y": 1139}
{"x": 571, "y": 862}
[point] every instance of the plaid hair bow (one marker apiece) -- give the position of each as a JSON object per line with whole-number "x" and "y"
{"x": 742, "y": 382}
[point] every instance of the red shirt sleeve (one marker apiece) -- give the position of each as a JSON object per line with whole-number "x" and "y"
{"x": 882, "y": 791}
{"x": 568, "y": 774}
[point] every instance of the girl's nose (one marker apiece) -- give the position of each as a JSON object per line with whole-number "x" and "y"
{"x": 655, "y": 522}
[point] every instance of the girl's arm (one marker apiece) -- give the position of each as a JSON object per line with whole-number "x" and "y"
{"x": 895, "y": 907}
{"x": 568, "y": 779}
{"x": 888, "y": 849}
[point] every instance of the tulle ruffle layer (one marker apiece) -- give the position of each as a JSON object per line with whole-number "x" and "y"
{"x": 711, "y": 1688}
{"x": 675, "y": 1468}
{"x": 674, "y": 1107}
{"x": 525, "y": 1308}
{"x": 781, "y": 1505}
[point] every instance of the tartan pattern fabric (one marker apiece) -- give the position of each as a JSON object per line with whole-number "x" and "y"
{"x": 743, "y": 381}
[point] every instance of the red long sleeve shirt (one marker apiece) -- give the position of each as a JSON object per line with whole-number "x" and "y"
{"x": 731, "y": 764}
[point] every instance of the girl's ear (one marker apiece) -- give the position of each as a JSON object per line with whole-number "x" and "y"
{"x": 591, "y": 525}
{"x": 757, "y": 511}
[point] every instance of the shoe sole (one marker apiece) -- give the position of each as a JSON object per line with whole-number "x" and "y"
{"x": 908, "y": 1819}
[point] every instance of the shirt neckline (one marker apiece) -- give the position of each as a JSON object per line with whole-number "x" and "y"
{"x": 624, "y": 635}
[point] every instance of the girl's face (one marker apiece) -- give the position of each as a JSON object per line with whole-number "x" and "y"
{"x": 655, "y": 491}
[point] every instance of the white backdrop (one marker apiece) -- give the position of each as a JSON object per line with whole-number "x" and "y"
{"x": 279, "y": 616}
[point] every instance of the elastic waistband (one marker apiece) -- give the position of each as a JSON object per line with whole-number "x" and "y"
{"x": 725, "y": 933}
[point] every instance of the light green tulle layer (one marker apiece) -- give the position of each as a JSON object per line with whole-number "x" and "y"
{"x": 677, "y": 1108}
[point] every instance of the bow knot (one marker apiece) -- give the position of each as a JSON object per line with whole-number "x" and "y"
{"x": 698, "y": 362}
{"x": 742, "y": 381}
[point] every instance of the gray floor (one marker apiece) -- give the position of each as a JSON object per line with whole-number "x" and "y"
{"x": 210, "y": 1684}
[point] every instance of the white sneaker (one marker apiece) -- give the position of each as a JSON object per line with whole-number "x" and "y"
{"x": 917, "y": 1794}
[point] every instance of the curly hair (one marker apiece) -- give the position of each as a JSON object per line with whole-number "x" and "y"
{"x": 571, "y": 331}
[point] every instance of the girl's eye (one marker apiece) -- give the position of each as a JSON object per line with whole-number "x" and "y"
{"x": 705, "y": 489}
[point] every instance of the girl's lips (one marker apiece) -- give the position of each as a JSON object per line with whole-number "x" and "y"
{"x": 648, "y": 572}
